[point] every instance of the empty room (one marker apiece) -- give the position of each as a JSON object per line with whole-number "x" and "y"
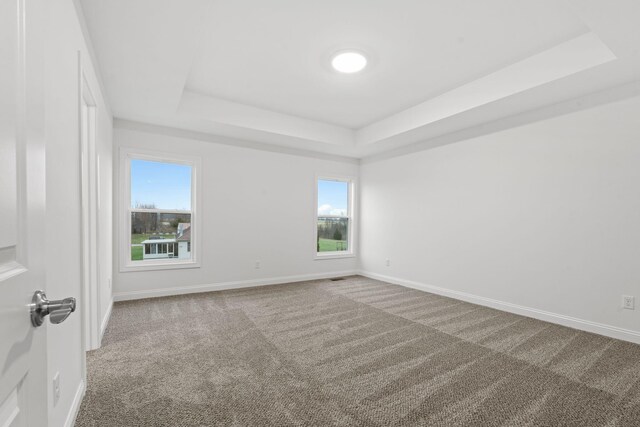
{"x": 319, "y": 213}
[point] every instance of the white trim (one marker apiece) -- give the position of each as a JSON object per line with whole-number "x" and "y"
{"x": 155, "y": 264}
{"x": 175, "y": 211}
{"x": 124, "y": 211}
{"x": 105, "y": 320}
{"x": 89, "y": 210}
{"x": 351, "y": 216}
{"x": 333, "y": 255}
{"x": 547, "y": 316}
{"x": 75, "y": 405}
{"x": 153, "y": 293}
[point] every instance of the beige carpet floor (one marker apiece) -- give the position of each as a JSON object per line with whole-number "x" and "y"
{"x": 354, "y": 352}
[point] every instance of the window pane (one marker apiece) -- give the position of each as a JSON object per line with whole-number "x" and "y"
{"x": 333, "y": 234}
{"x": 150, "y": 228}
{"x": 158, "y": 185}
{"x": 333, "y": 198}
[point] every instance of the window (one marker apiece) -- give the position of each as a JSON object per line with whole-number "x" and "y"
{"x": 159, "y": 218}
{"x": 334, "y": 218}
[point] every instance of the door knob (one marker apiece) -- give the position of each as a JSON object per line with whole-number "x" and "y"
{"x": 57, "y": 310}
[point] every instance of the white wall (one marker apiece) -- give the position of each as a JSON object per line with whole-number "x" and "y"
{"x": 545, "y": 216}
{"x": 64, "y": 40}
{"x": 256, "y": 205}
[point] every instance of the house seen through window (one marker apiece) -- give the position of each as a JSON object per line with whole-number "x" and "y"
{"x": 334, "y": 216}
{"x": 160, "y": 210}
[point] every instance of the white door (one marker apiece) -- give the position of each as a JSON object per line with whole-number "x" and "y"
{"x": 23, "y": 354}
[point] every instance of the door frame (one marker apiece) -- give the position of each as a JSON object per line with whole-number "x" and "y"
{"x": 90, "y": 212}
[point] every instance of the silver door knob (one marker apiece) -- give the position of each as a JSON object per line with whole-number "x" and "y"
{"x": 57, "y": 310}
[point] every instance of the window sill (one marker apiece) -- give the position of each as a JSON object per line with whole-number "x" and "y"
{"x": 334, "y": 255}
{"x": 152, "y": 266}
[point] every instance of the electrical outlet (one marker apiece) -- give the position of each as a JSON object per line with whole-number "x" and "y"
{"x": 109, "y": 282}
{"x": 257, "y": 265}
{"x": 56, "y": 388}
{"x": 388, "y": 263}
{"x": 628, "y": 302}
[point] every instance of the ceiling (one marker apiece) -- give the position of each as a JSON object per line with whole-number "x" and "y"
{"x": 260, "y": 71}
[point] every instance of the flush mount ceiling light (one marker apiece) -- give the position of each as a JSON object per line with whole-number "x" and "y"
{"x": 349, "y": 62}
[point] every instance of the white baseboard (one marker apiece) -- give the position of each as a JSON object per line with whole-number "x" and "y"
{"x": 75, "y": 405}
{"x": 560, "y": 319}
{"x": 152, "y": 293}
{"x": 105, "y": 321}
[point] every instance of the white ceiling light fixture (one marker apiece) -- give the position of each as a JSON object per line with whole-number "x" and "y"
{"x": 349, "y": 62}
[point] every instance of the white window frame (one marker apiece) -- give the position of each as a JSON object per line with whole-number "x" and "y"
{"x": 125, "y": 209}
{"x": 351, "y": 215}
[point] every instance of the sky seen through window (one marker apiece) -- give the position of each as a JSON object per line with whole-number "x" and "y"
{"x": 333, "y": 197}
{"x": 165, "y": 185}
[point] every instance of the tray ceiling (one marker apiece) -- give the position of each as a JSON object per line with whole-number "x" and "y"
{"x": 260, "y": 71}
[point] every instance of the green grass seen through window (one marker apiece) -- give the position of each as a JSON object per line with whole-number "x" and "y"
{"x": 330, "y": 245}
